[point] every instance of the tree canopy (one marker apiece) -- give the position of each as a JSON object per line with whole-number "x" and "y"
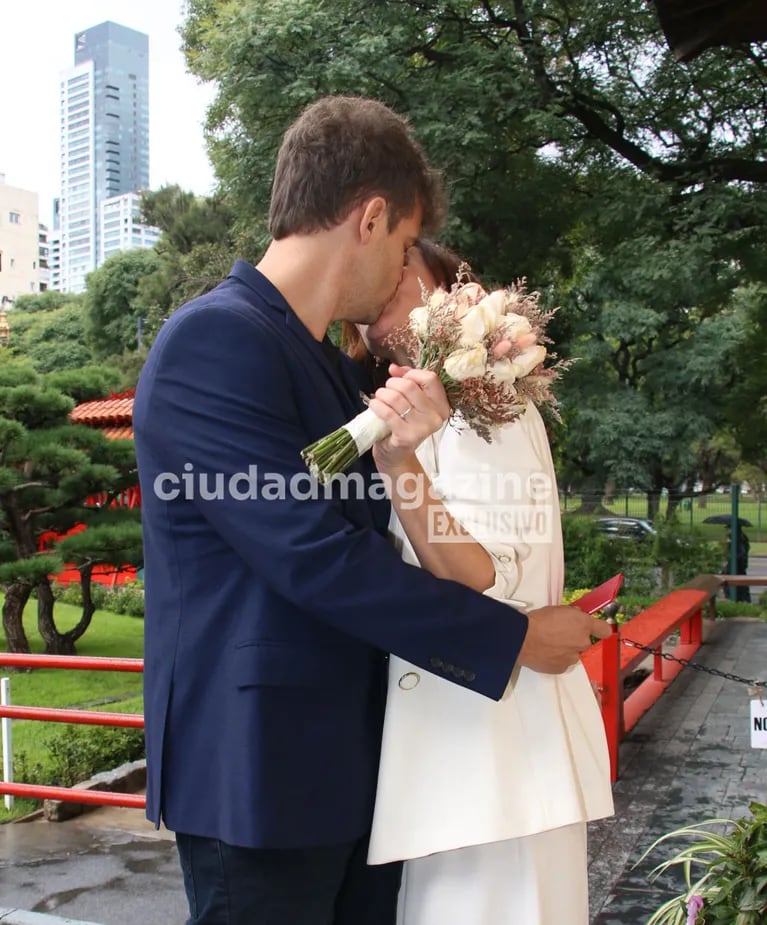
{"x": 578, "y": 153}
{"x": 112, "y": 308}
{"x": 195, "y": 251}
{"x": 50, "y": 337}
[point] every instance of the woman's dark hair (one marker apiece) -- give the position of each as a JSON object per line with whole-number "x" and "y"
{"x": 444, "y": 265}
{"x": 341, "y": 151}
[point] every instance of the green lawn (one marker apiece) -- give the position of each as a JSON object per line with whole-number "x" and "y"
{"x": 109, "y": 634}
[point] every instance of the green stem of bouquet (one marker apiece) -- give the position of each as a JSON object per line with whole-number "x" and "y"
{"x": 433, "y": 359}
{"x": 331, "y": 455}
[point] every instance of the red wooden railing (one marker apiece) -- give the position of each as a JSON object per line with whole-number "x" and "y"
{"x": 60, "y": 715}
{"x": 608, "y": 663}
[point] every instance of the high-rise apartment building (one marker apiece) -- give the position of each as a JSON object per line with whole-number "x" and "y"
{"x": 121, "y": 228}
{"x": 104, "y": 106}
{"x": 20, "y": 243}
{"x": 44, "y": 263}
{"x": 54, "y": 246}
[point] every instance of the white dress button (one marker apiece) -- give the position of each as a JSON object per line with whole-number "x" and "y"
{"x": 409, "y": 680}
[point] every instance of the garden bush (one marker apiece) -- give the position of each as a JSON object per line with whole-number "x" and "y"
{"x": 74, "y": 754}
{"x": 683, "y": 554}
{"x": 669, "y": 560}
{"x": 124, "y": 599}
{"x": 592, "y": 557}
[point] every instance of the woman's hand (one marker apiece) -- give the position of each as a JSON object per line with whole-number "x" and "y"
{"x": 414, "y": 404}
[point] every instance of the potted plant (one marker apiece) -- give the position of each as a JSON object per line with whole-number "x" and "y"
{"x": 725, "y": 872}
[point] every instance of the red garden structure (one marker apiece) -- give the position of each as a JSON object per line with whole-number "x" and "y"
{"x": 113, "y": 416}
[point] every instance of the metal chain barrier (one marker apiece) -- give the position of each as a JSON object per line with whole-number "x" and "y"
{"x": 695, "y": 667}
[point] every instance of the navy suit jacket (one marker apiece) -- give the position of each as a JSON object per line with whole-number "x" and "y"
{"x": 269, "y": 613}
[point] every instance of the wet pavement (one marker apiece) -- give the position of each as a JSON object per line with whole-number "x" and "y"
{"x": 108, "y": 867}
{"x": 688, "y": 759}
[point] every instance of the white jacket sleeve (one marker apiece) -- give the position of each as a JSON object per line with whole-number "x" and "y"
{"x": 503, "y": 493}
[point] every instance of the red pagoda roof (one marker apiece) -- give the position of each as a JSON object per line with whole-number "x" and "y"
{"x": 117, "y": 433}
{"x": 112, "y": 415}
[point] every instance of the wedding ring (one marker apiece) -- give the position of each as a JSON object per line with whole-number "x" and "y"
{"x": 406, "y": 412}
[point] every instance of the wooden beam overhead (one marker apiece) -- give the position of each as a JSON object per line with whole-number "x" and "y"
{"x": 691, "y": 26}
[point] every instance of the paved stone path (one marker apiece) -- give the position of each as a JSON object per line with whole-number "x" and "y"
{"x": 688, "y": 759}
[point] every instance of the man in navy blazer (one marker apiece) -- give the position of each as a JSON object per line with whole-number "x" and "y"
{"x": 270, "y": 603}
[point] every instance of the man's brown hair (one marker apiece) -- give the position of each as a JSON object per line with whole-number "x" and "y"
{"x": 341, "y": 151}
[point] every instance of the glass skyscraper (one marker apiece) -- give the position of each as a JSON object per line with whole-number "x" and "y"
{"x": 104, "y": 104}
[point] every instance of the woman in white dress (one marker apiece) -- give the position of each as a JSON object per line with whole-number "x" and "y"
{"x": 487, "y": 801}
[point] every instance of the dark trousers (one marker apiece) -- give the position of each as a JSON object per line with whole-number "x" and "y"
{"x": 227, "y": 885}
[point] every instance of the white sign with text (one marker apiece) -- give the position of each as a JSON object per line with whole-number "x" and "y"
{"x": 758, "y": 723}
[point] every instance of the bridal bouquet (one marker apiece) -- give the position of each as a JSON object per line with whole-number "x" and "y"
{"x": 488, "y": 351}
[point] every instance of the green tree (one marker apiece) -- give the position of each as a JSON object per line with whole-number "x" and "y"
{"x": 585, "y": 83}
{"x": 747, "y": 408}
{"x": 46, "y": 301}
{"x": 578, "y": 153}
{"x": 186, "y": 220}
{"x": 655, "y": 317}
{"x": 112, "y": 306}
{"x": 510, "y": 208}
{"x": 195, "y": 251}
{"x": 48, "y": 469}
{"x": 51, "y": 336}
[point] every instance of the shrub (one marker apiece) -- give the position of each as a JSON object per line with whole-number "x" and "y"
{"x": 629, "y": 605}
{"x": 86, "y": 750}
{"x": 731, "y": 871}
{"x": 673, "y": 558}
{"x": 79, "y": 752}
{"x": 591, "y": 557}
{"x": 685, "y": 554}
{"x": 127, "y": 599}
{"x": 726, "y": 609}
{"x": 72, "y": 594}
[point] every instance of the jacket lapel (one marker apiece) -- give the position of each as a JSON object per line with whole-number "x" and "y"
{"x": 329, "y": 378}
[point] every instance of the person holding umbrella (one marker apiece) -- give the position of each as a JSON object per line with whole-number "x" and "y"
{"x": 742, "y": 592}
{"x": 742, "y": 548}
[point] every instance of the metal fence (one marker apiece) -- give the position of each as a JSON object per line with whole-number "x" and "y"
{"x": 689, "y": 512}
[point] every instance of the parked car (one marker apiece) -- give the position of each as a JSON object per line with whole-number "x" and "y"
{"x": 626, "y": 528}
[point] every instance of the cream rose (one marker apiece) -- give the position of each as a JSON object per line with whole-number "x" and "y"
{"x": 528, "y": 360}
{"x": 466, "y": 297}
{"x": 495, "y": 302}
{"x": 419, "y": 321}
{"x": 463, "y": 364}
{"x": 437, "y": 298}
{"x": 477, "y": 323}
{"x": 503, "y": 371}
{"x": 516, "y": 325}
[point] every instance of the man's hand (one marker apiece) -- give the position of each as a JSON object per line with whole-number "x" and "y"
{"x": 556, "y": 636}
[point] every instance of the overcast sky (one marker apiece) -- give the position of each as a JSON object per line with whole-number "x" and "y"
{"x": 37, "y": 43}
